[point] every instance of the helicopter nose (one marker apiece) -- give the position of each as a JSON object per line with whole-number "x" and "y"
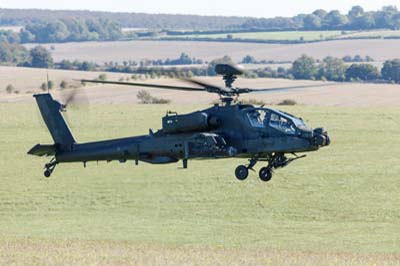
{"x": 321, "y": 137}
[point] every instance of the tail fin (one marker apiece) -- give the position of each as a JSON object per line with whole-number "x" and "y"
{"x": 51, "y": 113}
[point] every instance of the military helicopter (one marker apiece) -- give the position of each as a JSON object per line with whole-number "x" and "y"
{"x": 229, "y": 129}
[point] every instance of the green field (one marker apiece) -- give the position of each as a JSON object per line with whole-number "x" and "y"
{"x": 340, "y": 204}
{"x": 276, "y": 36}
{"x": 298, "y": 35}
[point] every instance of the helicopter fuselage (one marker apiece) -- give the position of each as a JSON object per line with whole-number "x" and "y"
{"x": 221, "y": 131}
{"x": 241, "y": 131}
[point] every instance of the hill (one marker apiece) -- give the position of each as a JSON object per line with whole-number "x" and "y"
{"x": 129, "y": 20}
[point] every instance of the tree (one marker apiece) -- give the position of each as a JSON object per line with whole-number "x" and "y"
{"x": 365, "y": 72}
{"x": 320, "y": 13}
{"x": 63, "y": 84}
{"x": 358, "y": 19}
{"x": 50, "y": 84}
{"x": 102, "y": 77}
{"x": 355, "y": 12}
{"x": 335, "y": 20}
{"x": 57, "y": 32}
{"x": 66, "y": 64}
{"x": 312, "y": 22}
{"x": 43, "y": 87}
{"x": 367, "y": 21}
{"x": 41, "y": 57}
{"x": 391, "y": 70}
{"x": 333, "y": 69}
{"x": 72, "y": 29}
{"x": 10, "y": 88}
{"x": 248, "y": 59}
{"x": 86, "y": 66}
{"x": 304, "y": 68}
{"x": 26, "y": 36}
{"x": 358, "y": 58}
{"x": 144, "y": 97}
{"x": 386, "y": 18}
{"x": 13, "y": 53}
{"x": 185, "y": 59}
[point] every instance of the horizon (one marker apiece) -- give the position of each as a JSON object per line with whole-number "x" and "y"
{"x": 223, "y": 8}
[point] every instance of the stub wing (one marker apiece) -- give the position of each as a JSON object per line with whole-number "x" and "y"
{"x": 43, "y": 150}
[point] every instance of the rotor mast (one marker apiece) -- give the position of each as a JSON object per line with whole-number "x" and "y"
{"x": 229, "y": 75}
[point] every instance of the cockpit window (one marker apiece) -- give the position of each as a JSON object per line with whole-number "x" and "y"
{"x": 257, "y": 118}
{"x": 282, "y": 124}
{"x": 299, "y": 123}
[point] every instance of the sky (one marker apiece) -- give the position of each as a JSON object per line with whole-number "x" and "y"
{"x": 253, "y": 8}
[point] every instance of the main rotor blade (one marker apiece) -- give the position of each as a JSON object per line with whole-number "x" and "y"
{"x": 209, "y": 87}
{"x": 159, "y": 86}
{"x": 283, "y": 88}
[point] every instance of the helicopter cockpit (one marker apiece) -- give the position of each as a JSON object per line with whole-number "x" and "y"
{"x": 281, "y": 121}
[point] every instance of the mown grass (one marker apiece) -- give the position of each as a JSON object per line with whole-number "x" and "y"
{"x": 271, "y": 35}
{"x": 341, "y": 203}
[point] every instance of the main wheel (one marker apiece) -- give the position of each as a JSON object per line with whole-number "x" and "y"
{"x": 265, "y": 174}
{"x": 241, "y": 172}
{"x": 47, "y": 173}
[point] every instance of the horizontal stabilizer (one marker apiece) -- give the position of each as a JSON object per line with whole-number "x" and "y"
{"x": 43, "y": 150}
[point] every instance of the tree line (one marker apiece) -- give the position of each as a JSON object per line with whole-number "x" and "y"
{"x": 18, "y": 55}
{"x": 65, "y": 30}
{"x": 334, "y": 69}
{"x": 21, "y": 17}
{"x": 356, "y": 19}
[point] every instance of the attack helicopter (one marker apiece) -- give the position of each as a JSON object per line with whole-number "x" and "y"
{"x": 229, "y": 129}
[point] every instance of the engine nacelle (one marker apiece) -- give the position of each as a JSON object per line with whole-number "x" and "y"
{"x": 197, "y": 121}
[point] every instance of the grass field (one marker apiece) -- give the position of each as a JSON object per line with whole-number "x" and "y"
{"x": 340, "y": 205}
{"x": 297, "y": 35}
{"x": 101, "y": 52}
{"x": 373, "y": 34}
{"x": 271, "y": 35}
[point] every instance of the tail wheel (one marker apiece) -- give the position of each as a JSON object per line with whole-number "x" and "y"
{"x": 241, "y": 172}
{"x": 265, "y": 174}
{"x": 47, "y": 173}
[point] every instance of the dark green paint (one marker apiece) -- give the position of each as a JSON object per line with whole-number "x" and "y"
{"x": 225, "y": 130}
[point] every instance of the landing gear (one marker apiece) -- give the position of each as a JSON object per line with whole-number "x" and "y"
{"x": 47, "y": 173}
{"x": 274, "y": 160}
{"x": 241, "y": 172}
{"x": 50, "y": 167}
{"x": 265, "y": 174}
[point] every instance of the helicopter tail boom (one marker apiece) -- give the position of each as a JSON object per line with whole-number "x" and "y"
{"x": 51, "y": 114}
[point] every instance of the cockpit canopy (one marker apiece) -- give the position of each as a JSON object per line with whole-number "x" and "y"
{"x": 281, "y": 121}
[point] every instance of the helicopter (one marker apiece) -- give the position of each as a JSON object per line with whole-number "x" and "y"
{"x": 229, "y": 129}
